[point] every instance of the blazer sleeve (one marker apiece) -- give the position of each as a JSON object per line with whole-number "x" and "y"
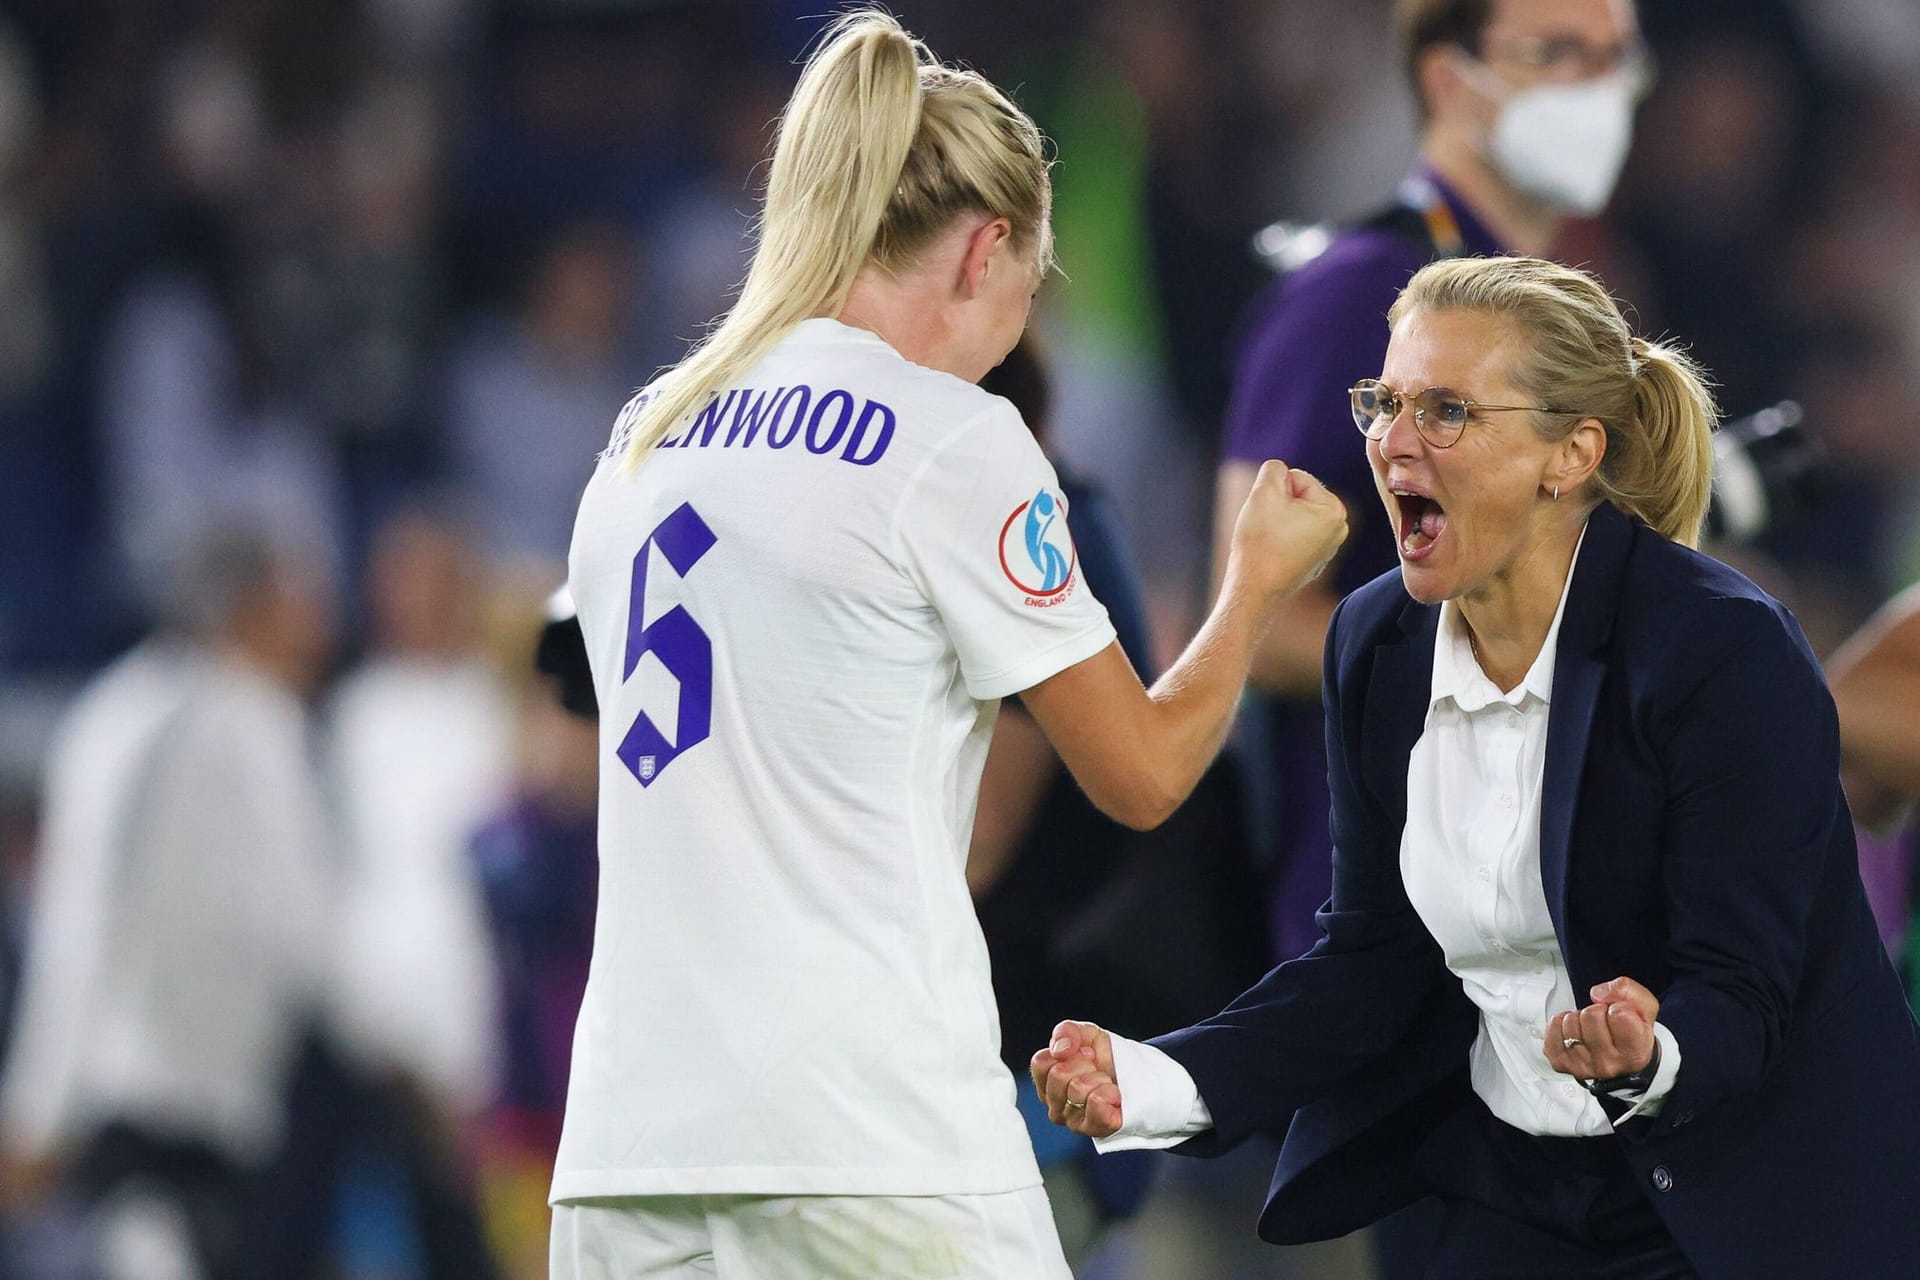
{"x": 1750, "y": 746}
{"x": 1312, "y": 1022}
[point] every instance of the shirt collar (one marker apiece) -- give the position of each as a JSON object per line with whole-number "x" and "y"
{"x": 828, "y": 329}
{"x": 1457, "y": 674}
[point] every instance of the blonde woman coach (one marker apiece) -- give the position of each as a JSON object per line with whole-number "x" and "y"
{"x": 1597, "y": 970}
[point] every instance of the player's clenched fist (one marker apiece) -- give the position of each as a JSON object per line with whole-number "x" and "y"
{"x": 1288, "y": 528}
{"x": 1074, "y": 1076}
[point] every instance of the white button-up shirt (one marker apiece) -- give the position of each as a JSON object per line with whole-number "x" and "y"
{"x": 1470, "y": 859}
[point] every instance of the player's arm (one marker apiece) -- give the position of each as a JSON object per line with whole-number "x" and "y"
{"x": 1286, "y": 662}
{"x": 1021, "y": 766}
{"x": 1138, "y": 753}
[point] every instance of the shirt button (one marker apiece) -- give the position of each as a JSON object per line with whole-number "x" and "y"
{"x": 1661, "y": 1177}
{"x": 1506, "y": 802}
{"x": 1484, "y": 874}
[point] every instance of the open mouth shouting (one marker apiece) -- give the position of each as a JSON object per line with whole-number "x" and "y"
{"x": 1419, "y": 522}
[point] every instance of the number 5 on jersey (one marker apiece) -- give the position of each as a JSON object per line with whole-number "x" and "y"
{"x": 676, "y": 642}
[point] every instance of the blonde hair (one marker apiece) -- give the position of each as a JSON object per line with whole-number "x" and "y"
{"x": 879, "y": 149}
{"x": 1584, "y": 362}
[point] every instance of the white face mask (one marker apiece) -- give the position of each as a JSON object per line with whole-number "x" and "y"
{"x": 1564, "y": 143}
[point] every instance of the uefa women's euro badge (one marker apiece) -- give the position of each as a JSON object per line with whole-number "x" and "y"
{"x": 1036, "y": 550}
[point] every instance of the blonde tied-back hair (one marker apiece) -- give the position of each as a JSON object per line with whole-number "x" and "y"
{"x": 1584, "y": 362}
{"x": 878, "y": 150}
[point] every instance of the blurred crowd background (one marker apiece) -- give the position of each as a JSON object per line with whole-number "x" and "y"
{"x": 314, "y": 313}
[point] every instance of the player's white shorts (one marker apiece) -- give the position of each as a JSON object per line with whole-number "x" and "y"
{"x": 1009, "y": 1236}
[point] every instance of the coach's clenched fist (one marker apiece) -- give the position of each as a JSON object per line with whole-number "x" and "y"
{"x": 1074, "y": 1076}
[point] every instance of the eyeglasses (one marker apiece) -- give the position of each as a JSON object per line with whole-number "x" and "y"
{"x": 1565, "y": 58}
{"x": 1440, "y": 414}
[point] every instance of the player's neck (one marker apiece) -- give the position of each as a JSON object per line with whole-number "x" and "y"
{"x": 907, "y": 315}
{"x": 1521, "y": 223}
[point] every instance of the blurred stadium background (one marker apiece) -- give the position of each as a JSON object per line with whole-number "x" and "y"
{"x": 370, "y": 278}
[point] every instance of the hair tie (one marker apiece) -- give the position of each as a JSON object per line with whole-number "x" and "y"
{"x": 1637, "y": 351}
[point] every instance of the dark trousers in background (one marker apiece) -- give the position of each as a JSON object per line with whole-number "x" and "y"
{"x": 1520, "y": 1207}
{"x": 337, "y": 1118}
{"x": 131, "y": 1180}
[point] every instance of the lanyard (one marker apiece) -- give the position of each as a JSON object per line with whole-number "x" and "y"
{"x": 1424, "y": 198}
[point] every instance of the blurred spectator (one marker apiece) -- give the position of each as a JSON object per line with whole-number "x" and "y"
{"x": 424, "y": 32}
{"x": 537, "y": 858}
{"x": 26, "y": 321}
{"x": 1853, "y": 271}
{"x": 181, "y": 899}
{"x": 583, "y": 110}
{"x": 696, "y": 244}
{"x": 1879, "y": 39}
{"x": 419, "y": 754}
{"x": 1875, "y": 678}
{"x": 1117, "y": 368}
{"x": 533, "y": 398}
{"x": 1771, "y": 220}
{"x": 1711, "y": 188}
{"x": 346, "y": 283}
{"x": 192, "y": 431}
{"x": 375, "y": 1180}
{"x": 31, "y": 531}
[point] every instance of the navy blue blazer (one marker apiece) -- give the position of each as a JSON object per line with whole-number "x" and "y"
{"x": 1693, "y": 837}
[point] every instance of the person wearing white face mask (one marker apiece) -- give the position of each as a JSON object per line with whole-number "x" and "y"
{"x": 1525, "y": 109}
{"x": 1560, "y": 134}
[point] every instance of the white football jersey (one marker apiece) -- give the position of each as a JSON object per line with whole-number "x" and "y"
{"x": 801, "y": 613}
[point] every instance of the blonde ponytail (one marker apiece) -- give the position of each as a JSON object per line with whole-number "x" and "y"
{"x": 1669, "y": 482}
{"x": 842, "y": 142}
{"x": 878, "y": 150}
{"x": 1583, "y": 362}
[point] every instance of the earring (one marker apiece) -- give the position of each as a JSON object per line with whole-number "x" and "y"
{"x": 1556, "y": 493}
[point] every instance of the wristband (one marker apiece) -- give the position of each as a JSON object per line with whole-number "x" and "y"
{"x": 1636, "y": 1082}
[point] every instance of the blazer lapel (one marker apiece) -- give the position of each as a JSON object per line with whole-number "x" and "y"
{"x": 1399, "y": 688}
{"x": 1579, "y": 667}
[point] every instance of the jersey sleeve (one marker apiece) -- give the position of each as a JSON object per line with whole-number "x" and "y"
{"x": 982, "y": 527}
